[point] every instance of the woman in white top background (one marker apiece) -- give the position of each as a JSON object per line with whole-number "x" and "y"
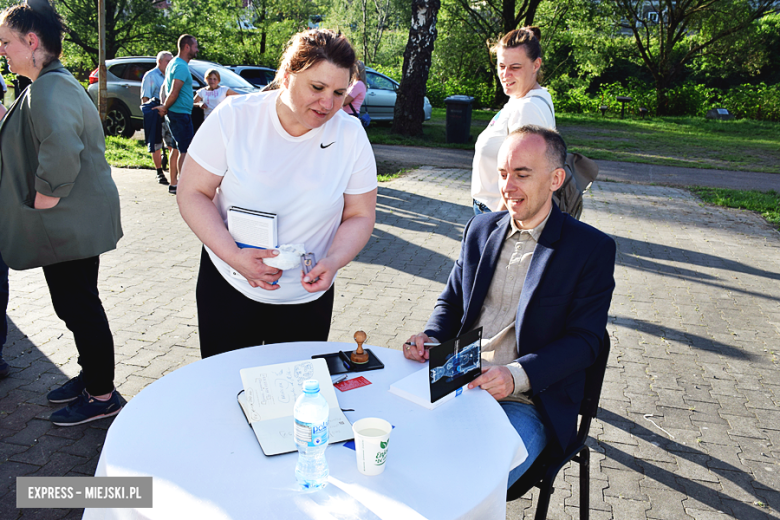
{"x": 518, "y": 63}
{"x": 292, "y": 152}
{"x": 209, "y": 97}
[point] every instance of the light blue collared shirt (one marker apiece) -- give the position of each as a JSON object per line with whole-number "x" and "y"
{"x": 151, "y": 83}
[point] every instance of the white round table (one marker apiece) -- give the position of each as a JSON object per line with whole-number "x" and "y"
{"x": 188, "y": 432}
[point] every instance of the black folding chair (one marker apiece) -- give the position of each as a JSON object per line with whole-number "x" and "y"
{"x": 543, "y": 471}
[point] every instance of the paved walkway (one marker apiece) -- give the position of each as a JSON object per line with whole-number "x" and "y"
{"x": 690, "y": 420}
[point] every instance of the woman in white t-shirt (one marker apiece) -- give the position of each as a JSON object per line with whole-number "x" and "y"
{"x": 518, "y": 57}
{"x": 209, "y": 97}
{"x": 292, "y": 152}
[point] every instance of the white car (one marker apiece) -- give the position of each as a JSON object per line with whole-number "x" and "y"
{"x": 381, "y": 95}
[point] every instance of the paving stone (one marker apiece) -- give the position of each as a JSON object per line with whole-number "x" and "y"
{"x": 753, "y": 511}
{"x": 40, "y": 453}
{"x": 667, "y": 503}
{"x": 702, "y": 496}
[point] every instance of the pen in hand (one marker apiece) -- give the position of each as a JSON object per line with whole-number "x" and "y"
{"x": 426, "y": 345}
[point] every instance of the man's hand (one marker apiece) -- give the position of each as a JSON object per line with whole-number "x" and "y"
{"x": 44, "y": 201}
{"x": 497, "y": 380}
{"x": 161, "y": 109}
{"x": 249, "y": 263}
{"x": 414, "y": 348}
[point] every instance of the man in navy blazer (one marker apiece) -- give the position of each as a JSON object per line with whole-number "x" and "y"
{"x": 550, "y": 277}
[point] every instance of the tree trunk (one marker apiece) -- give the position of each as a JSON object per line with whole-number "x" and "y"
{"x": 263, "y": 27}
{"x": 508, "y": 16}
{"x": 409, "y": 115}
{"x": 661, "y": 98}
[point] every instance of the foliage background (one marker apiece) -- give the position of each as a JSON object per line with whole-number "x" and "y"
{"x": 588, "y": 57}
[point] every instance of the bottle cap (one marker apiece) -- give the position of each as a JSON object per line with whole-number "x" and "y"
{"x": 311, "y": 386}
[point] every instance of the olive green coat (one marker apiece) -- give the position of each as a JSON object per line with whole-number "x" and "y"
{"x": 52, "y": 142}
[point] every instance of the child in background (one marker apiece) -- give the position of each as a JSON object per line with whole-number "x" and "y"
{"x": 209, "y": 97}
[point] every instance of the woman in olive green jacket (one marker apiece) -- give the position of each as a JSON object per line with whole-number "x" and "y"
{"x": 59, "y": 207}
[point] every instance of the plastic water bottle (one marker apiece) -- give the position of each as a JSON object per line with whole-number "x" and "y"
{"x": 311, "y": 414}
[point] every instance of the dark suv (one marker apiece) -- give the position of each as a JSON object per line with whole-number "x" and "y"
{"x": 123, "y": 87}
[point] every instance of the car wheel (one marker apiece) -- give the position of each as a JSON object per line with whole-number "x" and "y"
{"x": 118, "y": 120}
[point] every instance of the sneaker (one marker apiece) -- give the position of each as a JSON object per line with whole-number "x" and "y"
{"x": 4, "y": 368}
{"x": 161, "y": 179}
{"x": 68, "y": 392}
{"x": 87, "y": 409}
{"x": 172, "y": 189}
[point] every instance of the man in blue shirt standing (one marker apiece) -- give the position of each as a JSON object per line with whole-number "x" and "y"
{"x": 178, "y": 105}
{"x": 150, "y": 92}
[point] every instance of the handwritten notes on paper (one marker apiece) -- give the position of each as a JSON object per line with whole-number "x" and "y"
{"x": 269, "y": 397}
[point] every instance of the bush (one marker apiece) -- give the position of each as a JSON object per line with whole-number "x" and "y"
{"x": 439, "y": 89}
{"x": 760, "y": 102}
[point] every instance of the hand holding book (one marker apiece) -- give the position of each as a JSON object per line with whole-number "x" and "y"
{"x": 497, "y": 380}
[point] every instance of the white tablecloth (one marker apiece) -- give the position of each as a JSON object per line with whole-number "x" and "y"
{"x": 188, "y": 432}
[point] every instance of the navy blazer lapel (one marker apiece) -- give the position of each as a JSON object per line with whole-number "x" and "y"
{"x": 542, "y": 254}
{"x": 485, "y": 270}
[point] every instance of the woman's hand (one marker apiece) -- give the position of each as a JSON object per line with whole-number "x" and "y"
{"x": 249, "y": 263}
{"x": 357, "y": 223}
{"x": 321, "y": 276}
{"x": 44, "y": 201}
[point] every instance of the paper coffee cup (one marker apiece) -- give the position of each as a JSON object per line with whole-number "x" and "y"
{"x": 372, "y": 436}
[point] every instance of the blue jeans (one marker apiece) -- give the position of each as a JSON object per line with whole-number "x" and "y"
{"x": 480, "y": 208}
{"x": 152, "y": 126}
{"x": 181, "y": 129}
{"x": 3, "y": 303}
{"x": 526, "y": 420}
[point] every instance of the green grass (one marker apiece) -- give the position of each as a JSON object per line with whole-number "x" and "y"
{"x": 767, "y": 204}
{"x": 127, "y": 153}
{"x": 692, "y": 142}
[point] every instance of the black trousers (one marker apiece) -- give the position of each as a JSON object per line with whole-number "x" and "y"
{"x": 228, "y": 320}
{"x": 74, "y": 294}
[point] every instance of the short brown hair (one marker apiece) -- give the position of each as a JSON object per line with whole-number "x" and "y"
{"x": 39, "y": 18}
{"x": 308, "y": 48}
{"x": 185, "y": 39}
{"x": 212, "y": 71}
{"x": 555, "y": 150}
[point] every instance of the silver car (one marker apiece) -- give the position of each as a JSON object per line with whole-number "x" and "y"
{"x": 124, "y": 77}
{"x": 381, "y": 95}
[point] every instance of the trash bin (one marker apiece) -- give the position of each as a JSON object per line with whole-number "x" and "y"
{"x": 458, "y": 118}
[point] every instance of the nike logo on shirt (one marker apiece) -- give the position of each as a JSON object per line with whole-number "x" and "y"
{"x": 325, "y": 145}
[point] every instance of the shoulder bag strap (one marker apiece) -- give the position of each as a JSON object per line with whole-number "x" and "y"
{"x": 546, "y": 103}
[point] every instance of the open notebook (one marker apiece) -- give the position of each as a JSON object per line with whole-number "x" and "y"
{"x": 269, "y": 396}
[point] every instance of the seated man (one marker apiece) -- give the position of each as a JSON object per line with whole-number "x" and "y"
{"x": 539, "y": 283}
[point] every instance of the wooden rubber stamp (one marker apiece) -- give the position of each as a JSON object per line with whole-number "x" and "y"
{"x": 359, "y": 356}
